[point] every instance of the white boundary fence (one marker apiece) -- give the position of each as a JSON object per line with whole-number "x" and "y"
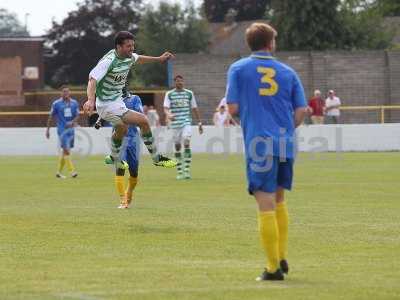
{"x": 314, "y": 138}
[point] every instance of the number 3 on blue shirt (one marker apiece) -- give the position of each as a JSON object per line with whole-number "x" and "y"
{"x": 268, "y": 77}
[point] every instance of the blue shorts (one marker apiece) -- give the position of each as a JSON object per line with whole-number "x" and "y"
{"x": 67, "y": 138}
{"x": 131, "y": 156}
{"x": 270, "y": 174}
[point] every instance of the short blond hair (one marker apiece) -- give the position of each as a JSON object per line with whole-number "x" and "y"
{"x": 260, "y": 36}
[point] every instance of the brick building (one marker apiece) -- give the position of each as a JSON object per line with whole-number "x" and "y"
{"x": 21, "y": 61}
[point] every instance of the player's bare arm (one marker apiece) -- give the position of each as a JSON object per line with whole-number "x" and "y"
{"x": 143, "y": 59}
{"x": 89, "y": 105}
{"x": 168, "y": 115}
{"x": 233, "y": 109}
{"x": 49, "y": 120}
{"x": 196, "y": 114}
{"x": 299, "y": 115}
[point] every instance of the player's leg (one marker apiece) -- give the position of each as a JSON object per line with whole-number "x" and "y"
{"x": 186, "y": 135}
{"x": 112, "y": 112}
{"x": 269, "y": 234}
{"x": 178, "y": 158}
{"x": 285, "y": 178}
{"x": 262, "y": 177}
{"x": 282, "y": 217}
{"x": 132, "y": 182}
{"x": 138, "y": 119}
{"x": 187, "y": 158}
{"x": 66, "y": 143}
{"x": 119, "y": 132}
{"x": 133, "y": 162}
{"x": 177, "y": 138}
{"x": 61, "y": 164}
{"x": 70, "y": 140}
{"x": 119, "y": 181}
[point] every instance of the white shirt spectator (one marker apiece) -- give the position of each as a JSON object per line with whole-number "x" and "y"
{"x": 334, "y": 101}
{"x": 221, "y": 118}
{"x": 153, "y": 117}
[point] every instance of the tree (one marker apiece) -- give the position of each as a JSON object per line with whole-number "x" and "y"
{"x": 364, "y": 26}
{"x": 389, "y": 8}
{"x": 328, "y": 24}
{"x": 169, "y": 27}
{"x": 10, "y": 25}
{"x": 216, "y": 10}
{"x": 85, "y": 35}
{"x": 307, "y": 24}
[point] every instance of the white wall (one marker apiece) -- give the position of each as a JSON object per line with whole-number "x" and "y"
{"x": 320, "y": 138}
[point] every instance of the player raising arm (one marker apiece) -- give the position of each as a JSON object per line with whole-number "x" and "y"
{"x": 104, "y": 91}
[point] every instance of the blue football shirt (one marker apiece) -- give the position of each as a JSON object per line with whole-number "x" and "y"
{"x": 267, "y": 92}
{"x": 133, "y": 103}
{"x": 64, "y": 112}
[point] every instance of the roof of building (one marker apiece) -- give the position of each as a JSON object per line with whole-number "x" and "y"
{"x": 22, "y": 39}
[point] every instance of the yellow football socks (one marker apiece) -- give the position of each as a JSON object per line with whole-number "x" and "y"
{"x": 131, "y": 186}
{"x": 269, "y": 235}
{"x": 61, "y": 164}
{"x": 282, "y": 217}
{"x": 120, "y": 186}
{"x": 69, "y": 163}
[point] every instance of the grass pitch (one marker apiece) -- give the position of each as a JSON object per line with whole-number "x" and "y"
{"x": 65, "y": 239}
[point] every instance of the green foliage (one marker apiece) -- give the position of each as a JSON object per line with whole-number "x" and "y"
{"x": 329, "y": 24}
{"x": 216, "y": 10}
{"x": 364, "y": 27}
{"x": 10, "y": 26}
{"x": 169, "y": 28}
{"x": 85, "y": 35}
{"x": 307, "y": 24}
{"x": 389, "y": 8}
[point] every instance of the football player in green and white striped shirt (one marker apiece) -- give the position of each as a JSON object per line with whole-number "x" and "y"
{"x": 104, "y": 90}
{"x": 179, "y": 104}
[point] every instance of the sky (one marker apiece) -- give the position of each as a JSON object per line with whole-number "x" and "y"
{"x": 42, "y": 12}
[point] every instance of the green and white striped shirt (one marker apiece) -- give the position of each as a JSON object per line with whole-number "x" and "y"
{"x": 180, "y": 104}
{"x": 111, "y": 74}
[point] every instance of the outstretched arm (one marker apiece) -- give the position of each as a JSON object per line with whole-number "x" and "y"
{"x": 143, "y": 59}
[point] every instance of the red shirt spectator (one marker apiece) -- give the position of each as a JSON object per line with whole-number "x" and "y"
{"x": 317, "y": 105}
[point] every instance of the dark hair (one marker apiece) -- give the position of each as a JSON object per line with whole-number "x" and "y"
{"x": 122, "y": 36}
{"x": 178, "y": 76}
{"x": 259, "y": 36}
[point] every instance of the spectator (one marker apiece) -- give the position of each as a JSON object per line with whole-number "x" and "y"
{"x": 222, "y": 118}
{"x": 153, "y": 117}
{"x": 316, "y": 107}
{"x": 332, "y": 108}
